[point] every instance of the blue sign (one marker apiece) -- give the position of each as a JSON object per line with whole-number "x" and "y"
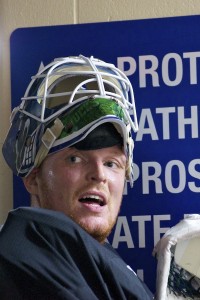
{"x": 161, "y": 57}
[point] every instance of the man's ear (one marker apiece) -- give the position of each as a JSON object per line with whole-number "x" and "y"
{"x": 30, "y": 182}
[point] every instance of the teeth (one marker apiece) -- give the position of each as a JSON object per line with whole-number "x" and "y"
{"x": 92, "y": 197}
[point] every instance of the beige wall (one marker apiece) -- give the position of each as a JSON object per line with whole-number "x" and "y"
{"x": 29, "y": 13}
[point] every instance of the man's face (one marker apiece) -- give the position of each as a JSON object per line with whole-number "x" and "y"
{"x": 85, "y": 185}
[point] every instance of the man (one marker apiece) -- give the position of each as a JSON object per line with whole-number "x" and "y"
{"x": 70, "y": 140}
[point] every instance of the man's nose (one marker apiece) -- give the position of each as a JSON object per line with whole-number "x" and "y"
{"x": 97, "y": 172}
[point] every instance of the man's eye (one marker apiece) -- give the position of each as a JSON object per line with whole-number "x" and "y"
{"x": 74, "y": 159}
{"x": 111, "y": 164}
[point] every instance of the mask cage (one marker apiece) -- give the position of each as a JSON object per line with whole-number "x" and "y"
{"x": 69, "y": 80}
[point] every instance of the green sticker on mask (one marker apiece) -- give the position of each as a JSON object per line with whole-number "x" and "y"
{"x": 88, "y": 112}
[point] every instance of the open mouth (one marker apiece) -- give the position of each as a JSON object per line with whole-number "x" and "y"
{"x": 92, "y": 199}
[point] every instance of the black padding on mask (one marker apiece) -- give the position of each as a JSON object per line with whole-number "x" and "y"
{"x": 103, "y": 136}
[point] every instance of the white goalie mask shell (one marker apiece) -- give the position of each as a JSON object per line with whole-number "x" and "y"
{"x": 69, "y": 85}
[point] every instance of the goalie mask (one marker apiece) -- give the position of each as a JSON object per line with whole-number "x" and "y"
{"x": 65, "y": 102}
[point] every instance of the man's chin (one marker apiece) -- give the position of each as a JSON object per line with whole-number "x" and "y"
{"x": 96, "y": 227}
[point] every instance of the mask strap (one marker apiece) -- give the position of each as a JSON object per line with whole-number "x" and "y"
{"x": 48, "y": 138}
